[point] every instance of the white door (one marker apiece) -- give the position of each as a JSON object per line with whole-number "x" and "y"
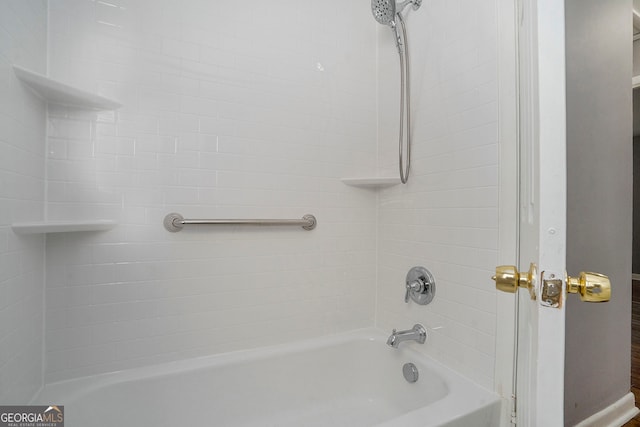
{"x": 537, "y": 373}
{"x": 540, "y": 368}
{"x": 535, "y": 181}
{"x": 530, "y": 336}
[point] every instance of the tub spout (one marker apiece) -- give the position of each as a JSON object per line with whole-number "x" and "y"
{"x": 418, "y": 333}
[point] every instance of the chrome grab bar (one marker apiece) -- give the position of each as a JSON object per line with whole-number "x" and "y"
{"x": 174, "y": 222}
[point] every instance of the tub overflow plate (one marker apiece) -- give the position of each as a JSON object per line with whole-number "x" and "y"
{"x": 410, "y": 372}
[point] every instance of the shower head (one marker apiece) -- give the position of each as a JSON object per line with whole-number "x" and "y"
{"x": 385, "y": 10}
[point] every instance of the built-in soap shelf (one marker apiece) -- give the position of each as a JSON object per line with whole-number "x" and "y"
{"x": 56, "y": 92}
{"x": 371, "y": 182}
{"x": 45, "y": 227}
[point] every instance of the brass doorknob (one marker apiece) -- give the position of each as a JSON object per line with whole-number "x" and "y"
{"x": 508, "y": 279}
{"x": 592, "y": 287}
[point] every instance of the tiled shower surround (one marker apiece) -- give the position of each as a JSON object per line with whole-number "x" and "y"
{"x": 23, "y": 38}
{"x": 446, "y": 217}
{"x": 256, "y": 110}
{"x": 249, "y": 110}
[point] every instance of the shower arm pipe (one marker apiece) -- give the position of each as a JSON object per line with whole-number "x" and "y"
{"x": 175, "y": 222}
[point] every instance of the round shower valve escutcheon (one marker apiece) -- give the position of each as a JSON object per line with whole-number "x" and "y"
{"x": 420, "y": 286}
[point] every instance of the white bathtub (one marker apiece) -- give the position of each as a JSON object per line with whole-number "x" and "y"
{"x": 351, "y": 379}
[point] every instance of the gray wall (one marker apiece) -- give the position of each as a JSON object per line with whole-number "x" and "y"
{"x": 636, "y": 157}
{"x": 599, "y": 201}
{"x": 636, "y": 191}
{"x": 636, "y": 98}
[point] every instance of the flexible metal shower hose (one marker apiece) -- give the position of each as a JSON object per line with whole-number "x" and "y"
{"x": 405, "y": 95}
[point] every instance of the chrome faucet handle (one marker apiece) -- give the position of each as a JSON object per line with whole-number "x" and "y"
{"x": 420, "y": 286}
{"x": 417, "y": 286}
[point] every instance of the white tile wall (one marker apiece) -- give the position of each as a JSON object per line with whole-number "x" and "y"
{"x": 248, "y": 109}
{"x": 446, "y": 217}
{"x": 244, "y": 110}
{"x": 22, "y": 140}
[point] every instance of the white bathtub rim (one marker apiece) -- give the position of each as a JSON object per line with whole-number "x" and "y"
{"x": 200, "y": 362}
{"x": 239, "y": 356}
{"x": 467, "y": 392}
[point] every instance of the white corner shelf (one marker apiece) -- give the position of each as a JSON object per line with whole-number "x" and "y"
{"x": 60, "y": 93}
{"x": 371, "y": 182}
{"x": 55, "y": 92}
{"x": 635, "y": 82}
{"x": 44, "y": 227}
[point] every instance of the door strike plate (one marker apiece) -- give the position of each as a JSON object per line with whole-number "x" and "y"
{"x": 552, "y": 290}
